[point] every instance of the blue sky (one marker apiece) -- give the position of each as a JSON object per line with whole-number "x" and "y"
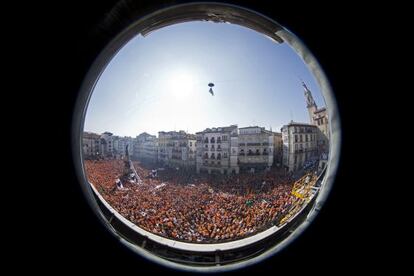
{"x": 160, "y": 82}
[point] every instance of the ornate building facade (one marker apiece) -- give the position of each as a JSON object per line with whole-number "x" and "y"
{"x": 217, "y": 150}
{"x": 177, "y": 149}
{"x": 299, "y": 145}
{"x": 256, "y": 147}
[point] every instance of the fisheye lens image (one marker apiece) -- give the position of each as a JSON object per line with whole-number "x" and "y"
{"x": 205, "y": 136}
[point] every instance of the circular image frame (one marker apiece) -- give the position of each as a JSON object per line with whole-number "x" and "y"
{"x": 219, "y": 259}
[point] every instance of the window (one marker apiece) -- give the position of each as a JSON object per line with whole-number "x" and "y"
{"x": 257, "y": 152}
{"x": 191, "y": 144}
{"x": 296, "y": 138}
{"x": 306, "y": 137}
{"x": 218, "y": 156}
{"x": 300, "y": 138}
{"x": 225, "y": 155}
{"x": 212, "y": 140}
{"x": 224, "y": 138}
{"x": 213, "y": 156}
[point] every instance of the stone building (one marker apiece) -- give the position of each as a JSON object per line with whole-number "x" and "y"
{"x": 217, "y": 150}
{"x": 146, "y": 148}
{"x": 256, "y": 146}
{"x": 177, "y": 149}
{"x": 91, "y": 145}
{"x": 299, "y": 145}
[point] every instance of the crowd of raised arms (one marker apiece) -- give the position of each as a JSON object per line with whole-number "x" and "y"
{"x": 199, "y": 208}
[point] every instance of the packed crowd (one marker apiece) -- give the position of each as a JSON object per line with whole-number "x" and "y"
{"x": 201, "y": 208}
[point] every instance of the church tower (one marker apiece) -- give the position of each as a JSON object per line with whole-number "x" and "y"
{"x": 310, "y": 103}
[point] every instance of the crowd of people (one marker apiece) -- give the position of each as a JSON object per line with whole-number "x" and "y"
{"x": 202, "y": 208}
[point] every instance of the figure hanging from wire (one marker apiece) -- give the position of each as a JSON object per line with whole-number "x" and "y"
{"x": 211, "y": 88}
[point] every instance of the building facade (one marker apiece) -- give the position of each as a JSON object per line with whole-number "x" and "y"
{"x": 177, "y": 149}
{"x": 91, "y": 145}
{"x": 256, "y": 148}
{"x": 146, "y": 148}
{"x": 120, "y": 145}
{"x": 299, "y": 145}
{"x": 217, "y": 150}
